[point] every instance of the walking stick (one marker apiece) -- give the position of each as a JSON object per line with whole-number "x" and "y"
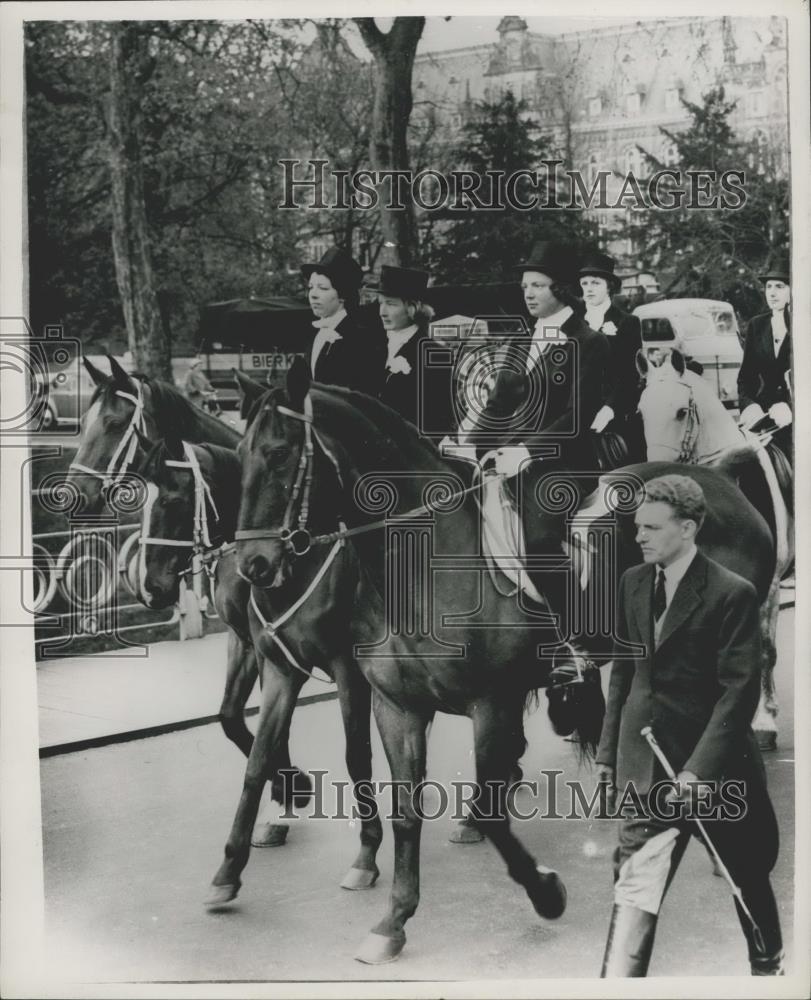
{"x": 647, "y": 732}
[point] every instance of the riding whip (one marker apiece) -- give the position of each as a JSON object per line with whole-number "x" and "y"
{"x": 647, "y": 732}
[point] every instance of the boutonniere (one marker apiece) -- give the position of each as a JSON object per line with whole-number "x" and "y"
{"x": 398, "y": 366}
{"x": 330, "y": 336}
{"x": 609, "y": 328}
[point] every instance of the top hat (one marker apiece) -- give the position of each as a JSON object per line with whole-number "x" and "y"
{"x": 402, "y": 282}
{"x": 555, "y": 260}
{"x": 779, "y": 271}
{"x": 339, "y": 267}
{"x": 600, "y": 265}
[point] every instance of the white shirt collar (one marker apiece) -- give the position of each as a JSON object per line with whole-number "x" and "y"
{"x": 397, "y": 339}
{"x": 676, "y": 570}
{"x": 595, "y": 316}
{"x": 330, "y": 322}
{"x": 547, "y": 331}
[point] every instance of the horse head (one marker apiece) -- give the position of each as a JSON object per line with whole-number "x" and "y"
{"x": 166, "y": 541}
{"x": 283, "y": 468}
{"x": 108, "y": 440}
{"x": 668, "y": 406}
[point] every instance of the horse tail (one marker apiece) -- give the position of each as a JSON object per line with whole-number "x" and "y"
{"x": 576, "y": 706}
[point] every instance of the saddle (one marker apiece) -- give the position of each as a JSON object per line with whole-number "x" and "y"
{"x": 611, "y": 450}
{"x": 784, "y": 473}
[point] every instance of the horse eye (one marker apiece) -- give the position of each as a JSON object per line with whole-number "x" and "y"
{"x": 681, "y": 413}
{"x": 274, "y": 456}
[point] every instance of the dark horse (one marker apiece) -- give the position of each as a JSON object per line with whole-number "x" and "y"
{"x": 362, "y": 460}
{"x": 193, "y": 494}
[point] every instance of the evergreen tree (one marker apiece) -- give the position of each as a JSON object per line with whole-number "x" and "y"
{"x": 461, "y": 246}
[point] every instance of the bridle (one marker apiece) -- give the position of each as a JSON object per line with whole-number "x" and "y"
{"x": 124, "y": 454}
{"x": 692, "y": 426}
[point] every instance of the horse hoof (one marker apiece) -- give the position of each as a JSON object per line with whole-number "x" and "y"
{"x": 220, "y": 895}
{"x": 766, "y": 739}
{"x": 378, "y": 949}
{"x": 360, "y": 878}
{"x": 269, "y": 834}
{"x": 548, "y": 895}
{"x": 466, "y": 833}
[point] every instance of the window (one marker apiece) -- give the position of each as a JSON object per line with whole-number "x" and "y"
{"x": 756, "y": 103}
{"x": 672, "y": 96}
{"x": 633, "y": 161}
{"x": 594, "y": 167}
{"x": 595, "y": 107}
{"x": 633, "y": 103}
{"x": 670, "y": 156}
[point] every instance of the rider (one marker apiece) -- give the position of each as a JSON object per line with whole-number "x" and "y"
{"x": 197, "y": 387}
{"x": 621, "y": 390}
{"x": 546, "y": 395}
{"x": 764, "y": 378}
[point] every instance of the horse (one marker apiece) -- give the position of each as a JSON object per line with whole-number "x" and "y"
{"x": 685, "y": 419}
{"x": 478, "y": 656}
{"x": 192, "y": 503}
{"x": 122, "y": 404}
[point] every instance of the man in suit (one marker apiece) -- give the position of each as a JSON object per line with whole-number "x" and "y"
{"x": 764, "y": 378}
{"x": 621, "y": 389}
{"x": 695, "y": 682}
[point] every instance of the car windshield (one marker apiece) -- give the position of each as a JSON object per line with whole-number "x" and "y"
{"x": 689, "y": 324}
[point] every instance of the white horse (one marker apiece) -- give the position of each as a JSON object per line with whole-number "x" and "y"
{"x": 686, "y": 422}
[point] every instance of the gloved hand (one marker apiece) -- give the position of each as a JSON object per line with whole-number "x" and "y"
{"x": 604, "y": 417}
{"x": 607, "y": 788}
{"x": 510, "y": 459}
{"x": 781, "y": 414}
{"x": 750, "y": 415}
{"x": 689, "y": 789}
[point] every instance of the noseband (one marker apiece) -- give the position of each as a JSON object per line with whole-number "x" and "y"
{"x": 125, "y": 452}
{"x": 686, "y": 451}
{"x": 297, "y": 540}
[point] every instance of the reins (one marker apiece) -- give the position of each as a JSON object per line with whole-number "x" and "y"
{"x": 127, "y": 446}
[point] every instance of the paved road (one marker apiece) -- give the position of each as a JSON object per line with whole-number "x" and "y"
{"x": 133, "y": 834}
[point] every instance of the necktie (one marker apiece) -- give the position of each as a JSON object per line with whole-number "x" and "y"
{"x": 659, "y": 598}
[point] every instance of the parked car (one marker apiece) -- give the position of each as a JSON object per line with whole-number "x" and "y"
{"x": 704, "y": 329}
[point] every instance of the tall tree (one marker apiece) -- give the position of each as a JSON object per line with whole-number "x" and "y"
{"x": 715, "y": 252}
{"x": 498, "y": 141}
{"x": 130, "y": 67}
{"x": 393, "y": 53}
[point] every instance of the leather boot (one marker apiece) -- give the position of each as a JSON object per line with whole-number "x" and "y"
{"x": 630, "y": 943}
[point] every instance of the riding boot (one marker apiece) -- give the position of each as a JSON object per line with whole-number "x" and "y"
{"x": 766, "y": 961}
{"x": 630, "y": 943}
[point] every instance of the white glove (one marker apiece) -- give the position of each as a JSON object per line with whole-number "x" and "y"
{"x": 780, "y": 414}
{"x": 750, "y": 415}
{"x": 509, "y": 460}
{"x": 604, "y": 417}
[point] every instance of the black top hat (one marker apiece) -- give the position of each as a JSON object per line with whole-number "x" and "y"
{"x": 339, "y": 267}
{"x": 780, "y": 270}
{"x": 402, "y": 282}
{"x": 599, "y": 265}
{"x": 555, "y": 260}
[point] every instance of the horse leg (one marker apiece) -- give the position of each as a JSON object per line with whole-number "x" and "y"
{"x": 279, "y": 694}
{"x": 239, "y": 681}
{"x": 355, "y": 696}
{"x": 765, "y": 722}
{"x": 493, "y": 734}
{"x": 404, "y": 739}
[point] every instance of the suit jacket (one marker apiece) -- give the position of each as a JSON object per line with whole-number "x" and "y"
{"x": 621, "y": 389}
{"x": 344, "y": 362}
{"x": 698, "y": 689}
{"x": 567, "y": 383}
{"x": 762, "y": 376}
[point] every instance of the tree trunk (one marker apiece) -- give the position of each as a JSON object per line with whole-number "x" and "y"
{"x": 129, "y": 66}
{"x": 393, "y": 55}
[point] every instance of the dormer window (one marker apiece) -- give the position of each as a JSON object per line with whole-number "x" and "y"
{"x": 595, "y": 107}
{"x": 633, "y": 103}
{"x": 672, "y": 98}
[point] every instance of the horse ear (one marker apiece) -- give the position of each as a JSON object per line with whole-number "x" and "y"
{"x": 120, "y": 377}
{"x": 298, "y": 382}
{"x": 642, "y": 365}
{"x": 251, "y": 391}
{"x": 677, "y": 360}
{"x": 146, "y": 443}
{"x": 99, "y": 378}
{"x": 174, "y": 447}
